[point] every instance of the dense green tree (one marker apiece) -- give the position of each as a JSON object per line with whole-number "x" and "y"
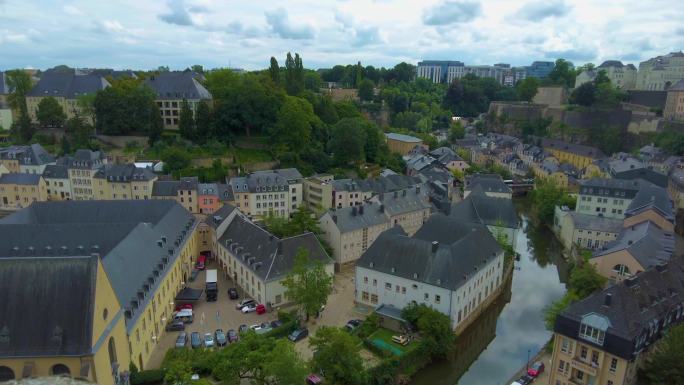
{"x": 175, "y": 159}
{"x": 325, "y": 110}
{"x": 585, "y": 280}
{"x": 407, "y": 119}
{"x": 553, "y": 310}
{"x": 435, "y": 328}
{"x": 303, "y": 220}
{"x": 527, "y": 88}
{"x": 456, "y": 131}
{"x": 584, "y": 95}
{"x": 545, "y": 197}
{"x": 346, "y": 109}
{"x": 243, "y": 103}
{"x": 78, "y": 131}
{"x": 601, "y": 78}
{"x": 125, "y": 107}
{"x": 665, "y": 364}
{"x": 308, "y": 284}
{"x": 562, "y": 74}
{"x": 22, "y": 128}
{"x": 19, "y": 84}
{"x": 86, "y": 106}
{"x": 374, "y": 142}
{"x": 403, "y": 72}
{"x": 197, "y": 68}
{"x": 338, "y": 356}
{"x": 312, "y": 81}
{"x": 186, "y": 122}
{"x": 294, "y": 74}
{"x": 259, "y": 360}
{"x": 50, "y": 113}
{"x": 294, "y": 125}
{"x": 156, "y": 125}
{"x": 274, "y": 70}
{"x": 366, "y": 88}
{"x": 347, "y": 141}
{"x": 203, "y": 121}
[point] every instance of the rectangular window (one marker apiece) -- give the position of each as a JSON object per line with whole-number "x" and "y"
{"x": 364, "y": 296}
{"x": 583, "y": 352}
{"x": 374, "y": 298}
{"x": 565, "y": 345}
{"x": 388, "y": 286}
{"x": 427, "y": 296}
{"x": 375, "y": 282}
{"x": 613, "y": 365}
{"x": 437, "y": 298}
{"x": 561, "y": 366}
{"x": 365, "y": 279}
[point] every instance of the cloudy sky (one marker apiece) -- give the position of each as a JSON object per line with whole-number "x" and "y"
{"x": 143, "y": 34}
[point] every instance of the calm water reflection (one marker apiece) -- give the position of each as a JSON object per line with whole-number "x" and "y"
{"x": 496, "y": 345}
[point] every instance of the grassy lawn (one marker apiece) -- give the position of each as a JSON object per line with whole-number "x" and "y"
{"x": 385, "y": 336}
{"x": 248, "y": 155}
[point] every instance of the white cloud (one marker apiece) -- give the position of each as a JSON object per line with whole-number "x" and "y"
{"x": 140, "y": 33}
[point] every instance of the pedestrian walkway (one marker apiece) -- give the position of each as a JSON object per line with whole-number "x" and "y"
{"x": 542, "y": 379}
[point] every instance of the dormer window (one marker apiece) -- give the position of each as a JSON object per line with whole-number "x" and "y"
{"x": 593, "y": 328}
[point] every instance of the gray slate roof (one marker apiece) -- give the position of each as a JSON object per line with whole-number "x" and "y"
{"x": 46, "y": 306}
{"x": 588, "y": 151}
{"x": 488, "y": 182}
{"x": 646, "y": 242}
{"x": 647, "y": 174}
{"x": 266, "y": 181}
{"x": 85, "y": 159}
{"x": 395, "y": 253}
{"x": 33, "y": 155}
{"x": 20, "y": 178}
{"x": 68, "y": 85}
{"x": 350, "y": 218}
{"x": 177, "y": 85}
{"x": 596, "y": 223}
{"x": 123, "y": 233}
{"x": 618, "y": 188}
{"x": 403, "y": 201}
{"x": 124, "y": 173}
{"x": 652, "y": 196}
{"x": 56, "y": 171}
{"x": 480, "y": 208}
{"x": 165, "y": 188}
{"x": 267, "y": 256}
{"x": 634, "y": 305}
{"x": 403, "y": 138}
{"x": 679, "y": 86}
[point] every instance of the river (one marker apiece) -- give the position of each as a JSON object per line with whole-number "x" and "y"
{"x": 496, "y": 345}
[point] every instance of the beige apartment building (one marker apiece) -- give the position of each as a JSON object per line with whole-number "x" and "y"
{"x": 318, "y": 192}
{"x": 350, "y": 192}
{"x": 183, "y": 191}
{"x": 19, "y": 190}
{"x": 30, "y": 159}
{"x": 661, "y": 72}
{"x": 271, "y": 192}
{"x": 674, "y": 105}
{"x": 57, "y": 182}
{"x": 621, "y": 76}
{"x": 66, "y": 87}
{"x": 116, "y": 182}
{"x": 402, "y": 144}
{"x": 408, "y": 208}
{"x": 83, "y": 166}
{"x": 171, "y": 89}
{"x": 604, "y": 338}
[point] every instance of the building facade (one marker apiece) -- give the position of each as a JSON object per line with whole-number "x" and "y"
{"x": 674, "y": 105}
{"x": 174, "y": 88}
{"x": 30, "y": 159}
{"x": 82, "y": 167}
{"x": 402, "y": 144}
{"x": 57, "y": 182}
{"x": 398, "y": 270}
{"x": 609, "y": 198}
{"x": 318, "y": 192}
{"x": 661, "y": 72}
{"x": 578, "y": 155}
{"x": 272, "y": 192}
{"x": 18, "y": 190}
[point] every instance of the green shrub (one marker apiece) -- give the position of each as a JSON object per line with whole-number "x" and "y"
{"x": 368, "y": 326}
{"x": 148, "y": 377}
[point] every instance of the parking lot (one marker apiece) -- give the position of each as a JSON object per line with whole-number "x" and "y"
{"x": 209, "y": 316}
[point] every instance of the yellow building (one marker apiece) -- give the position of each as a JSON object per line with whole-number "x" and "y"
{"x": 144, "y": 253}
{"x": 604, "y": 338}
{"x": 183, "y": 191}
{"x": 116, "y": 182}
{"x": 674, "y": 105}
{"x": 66, "y": 87}
{"x": 578, "y": 155}
{"x": 18, "y": 190}
{"x": 402, "y": 144}
{"x": 83, "y": 166}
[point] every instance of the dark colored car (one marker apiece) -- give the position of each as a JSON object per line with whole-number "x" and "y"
{"x": 298, "y": 334}
{"x": 243, "y": 329}
{"x": 525, "y": 380}
{"x": 195, "y": 340}
{"x": 181, "y": 340}
{"x": 220, "y": 337}
{"x": 232, "y": 336}
{"x": 232, "y": 293}
{"x": 536, "y": 369}
{"x": 353, "y": 324}
{"x": 276, "y": 324}
{"x": 175, "y": 326}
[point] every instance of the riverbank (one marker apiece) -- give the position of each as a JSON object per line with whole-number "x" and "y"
{"x": 542, "y": 379}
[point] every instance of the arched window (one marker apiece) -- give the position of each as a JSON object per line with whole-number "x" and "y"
{"x": 60, "y": 370}
{"x": 622, "y": 270}
{"x": 6, "y": 374}
{"x": 112, "y": 351}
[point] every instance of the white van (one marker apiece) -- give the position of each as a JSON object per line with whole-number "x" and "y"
{"x": 184, "y": 315}
{"x": 244, "y": 302}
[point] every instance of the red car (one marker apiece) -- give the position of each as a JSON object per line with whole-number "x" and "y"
{"x": 260, "y": 309}
{"x": 201, "y": 262}
{"x": 183, "y": 306}
{"x": 536, "y": 369}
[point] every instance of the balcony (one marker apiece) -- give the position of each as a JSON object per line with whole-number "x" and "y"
{"x": 590, "y": 369}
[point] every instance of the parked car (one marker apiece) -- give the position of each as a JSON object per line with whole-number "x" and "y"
{"x": 298, "y": 334}
{"x": 201, "y": 262}
{"x": 232, "y": 293}
{"x": 249, "y": 308}
{"x": 232, "y": 336}
{"x": 536, "y": 369}
{"x": 221, "y": 339}
{"x": 175, "y": 326}
{"x": 276, "y": 324}
{"x": 243, "y": 329}
{"x": 195, "y": 340}
{"x": 263, "y": 328}
{"x": 524, "y": 380}
{"x": 244, "y": 302}
{"x": 209, "y": 340}
{"x": 185, "y": 306}
{"x": 313, "y": 379}
{"x": 260, "y": 309}
{"x": 402, "y": 339}
{"x": 184, "y": 316}
{"x": 353, "y": 324}
{"x": 181, "y": 340}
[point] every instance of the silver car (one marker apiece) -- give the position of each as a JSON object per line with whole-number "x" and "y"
{"x": 181, "y": 340}
{"x": 209, "y": 340}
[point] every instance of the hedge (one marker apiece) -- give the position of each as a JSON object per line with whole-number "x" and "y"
{"x": 148, "y": 377}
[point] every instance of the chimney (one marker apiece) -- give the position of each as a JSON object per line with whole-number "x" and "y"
{"x": 435, "y": 246}
{"x": 607, "y": 300}
{"x": 361, "y": 209}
